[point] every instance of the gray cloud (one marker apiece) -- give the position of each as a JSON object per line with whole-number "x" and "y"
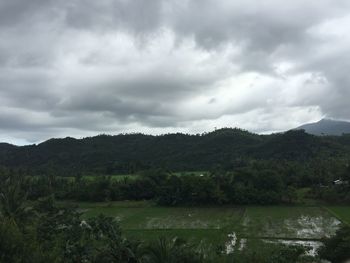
{"x": 135, "y": 16}
{"x": 85, "y": 67}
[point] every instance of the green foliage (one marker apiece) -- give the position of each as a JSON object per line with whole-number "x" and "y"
{"x": 337, "y": 248}
{"x": 58, "y": 234}
{"x": 270, "y": 253}
{"x": 18, "y": 246}
{"x": 171, "y": 251}
{"x": 179, "y": 152}
{"x": 245, "y": 168}
{"x": 13, "y": 197}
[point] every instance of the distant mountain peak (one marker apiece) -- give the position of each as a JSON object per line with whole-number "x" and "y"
{"x": 327, "y": 126}
{"x": 324, "y": 120}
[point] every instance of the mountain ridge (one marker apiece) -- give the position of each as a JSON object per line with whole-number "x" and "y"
{"x": 326, "y": 127}
{"x": 129, "y": 153}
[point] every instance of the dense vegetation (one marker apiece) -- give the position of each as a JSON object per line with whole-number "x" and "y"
{"x": 42, "y": 231}
{"x": 178, "y": 152}
{"x": 245, "y": 168}
{"x": 242, "y": 168}
{"x": 337, "y": 248}
{"x": 253, "y": 182}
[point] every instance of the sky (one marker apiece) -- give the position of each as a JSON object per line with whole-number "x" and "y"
{"x": 85, "y": 67}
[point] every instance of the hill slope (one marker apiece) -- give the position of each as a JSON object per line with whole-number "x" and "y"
{"x": 179, "y": 152}
{"x": 327, "y": 127}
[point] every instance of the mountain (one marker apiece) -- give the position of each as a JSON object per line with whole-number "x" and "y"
{"x": 128, "y": 153}
{"x": 327, "y": 127}
{"x": 6, "y": 146}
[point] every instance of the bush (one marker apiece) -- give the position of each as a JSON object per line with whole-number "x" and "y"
{"x": 337, "y": 248}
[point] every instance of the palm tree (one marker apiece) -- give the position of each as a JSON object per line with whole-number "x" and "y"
{"x": 13, "y": 198}
{"x": 166, "y": 250}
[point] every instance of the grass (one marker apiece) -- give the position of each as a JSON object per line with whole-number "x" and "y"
{"x": 211, "y": 225}
{"x": 207, "y": 236}
{"x": 341, "y": 212}
{"x": 116, "y": 177}
{"x": 197, "y": 173}
{"x": 304, "y": 198}
{"x": 122, "y": 177}
{"x": 146, "y": 216}
{"x": 143, "y": 220}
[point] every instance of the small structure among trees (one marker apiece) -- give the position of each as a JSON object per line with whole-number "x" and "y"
{"x": 340, "y": 182}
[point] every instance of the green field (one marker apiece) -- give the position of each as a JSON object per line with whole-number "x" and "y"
{"x": 121, "y": 177}
{"x": 116, "y": 177}
{"x": 212, "y": 225}
{"x": 170, "y": 218}
{"x": 341, "y": 212}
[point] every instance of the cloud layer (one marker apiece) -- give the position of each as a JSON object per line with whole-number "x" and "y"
{"x": 80, "y": 68}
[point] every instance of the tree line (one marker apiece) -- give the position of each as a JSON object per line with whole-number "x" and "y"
{"x": 129, "y": 153}
{"x": 250, "y": 182}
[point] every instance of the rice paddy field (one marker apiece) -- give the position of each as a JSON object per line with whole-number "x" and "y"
{"x": 117, "y": 177}
{"x": 226, "y": 226}
{"x": 122, "y": 177}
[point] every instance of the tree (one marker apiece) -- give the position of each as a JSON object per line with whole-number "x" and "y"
{"x": 170, "y": 251}
{"x": 291, "y": 194}
{"x": 13, "y": 197}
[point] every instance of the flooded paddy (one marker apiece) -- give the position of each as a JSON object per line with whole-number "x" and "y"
{"x": 289, "y": 222}
{"x": 234, "y": 228}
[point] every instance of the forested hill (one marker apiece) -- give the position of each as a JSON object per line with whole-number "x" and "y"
{"x": 4, "y": 149}
{"x": 179, "y": 152}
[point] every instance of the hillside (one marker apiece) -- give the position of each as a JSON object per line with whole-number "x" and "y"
{"x": 6, "y": 146}
{"x": 327, "y": 127}
{"x": 179, "y": 152}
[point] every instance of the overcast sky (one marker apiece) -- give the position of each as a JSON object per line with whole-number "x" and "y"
{"x": 84, "y": 67}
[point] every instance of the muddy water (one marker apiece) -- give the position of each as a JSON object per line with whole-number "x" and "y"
{"x": 312, "y": 246}
{"x": 303, "y": 227}
{"x": 304, "y": 230}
